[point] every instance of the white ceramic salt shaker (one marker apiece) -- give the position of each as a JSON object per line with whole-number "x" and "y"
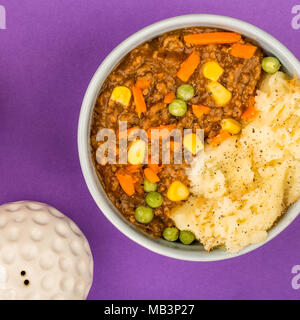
{"x": 43, "y": 254}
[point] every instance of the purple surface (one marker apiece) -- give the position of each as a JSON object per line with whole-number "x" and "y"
{"x": 49, "y": 53}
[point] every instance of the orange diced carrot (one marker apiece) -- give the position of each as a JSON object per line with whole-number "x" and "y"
{"x": 142, "y": 83}
{"x": 139, "y": 101}
{"x": 245, "y": 51}
{"x": 212, "y": 38}
{"x": 126, "y": 182}
{"x": 200, "y": 110}
{"x": 151, "y": 176}
{"x": 165, "y": 134}
{"x": 251, "y": 112}
{"x": 222, "y": 136}
{"x": 169, "y": 97}
{"x": 155, "y": 167}
{"x": 188, "y": 66}
{"x": 133, "y": 168}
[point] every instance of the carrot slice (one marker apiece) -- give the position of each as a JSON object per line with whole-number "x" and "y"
{"x": 142, "y": 83}
{"x": 245, "y": 51}
{"x": 128, "y": 133}
{"x": 169, "y": 97}
{"x": 139, "y": 101}
{"x": 251, "y": 112}
{"x": 165, "y": 135}
{"x": 155, "y": 167}
{"x": 188, "y": 66}
{"x": 151, "y": 175}
{"x": 135, "y": 172}
{"x": 222, "y": 136}
{"x": 133, "y": 168}
{"x": 212, "y": 38}
{"x": 200, "y": 110}
{"x": 126, "y": 182}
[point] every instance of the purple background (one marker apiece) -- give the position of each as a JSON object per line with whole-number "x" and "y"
{"x": 49, "y": 53}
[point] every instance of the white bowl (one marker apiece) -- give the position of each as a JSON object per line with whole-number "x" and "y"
{"x": 175, "y": 250}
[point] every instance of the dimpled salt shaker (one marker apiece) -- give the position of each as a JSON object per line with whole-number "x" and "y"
{"x": 43, "y": 254}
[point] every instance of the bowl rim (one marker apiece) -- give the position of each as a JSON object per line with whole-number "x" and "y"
{"x": 107, "y": 208}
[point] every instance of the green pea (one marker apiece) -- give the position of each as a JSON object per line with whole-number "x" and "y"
{"x": 171, "y": 234}
{"x": 186, "y": 237}
{"x": 177, "y": 108}
{"x": 143, "y": 214}
{"x": 270, "y": 64}
{"x": 148, "y": 186}
{"x": 154, "y": 199}
{"x": 185, "y": 92}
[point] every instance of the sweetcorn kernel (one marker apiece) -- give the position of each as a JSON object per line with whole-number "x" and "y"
{"x": 177, "y": 191}
{"x": 192, "y": 143}
{"x": 121, "y": 95}
{"x": 220, "y": 94}
{"x": 212, "y": 70}
{"x": 231, "y": 126}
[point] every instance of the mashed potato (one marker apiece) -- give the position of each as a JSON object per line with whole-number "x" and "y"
{"x": 243, "y": 186}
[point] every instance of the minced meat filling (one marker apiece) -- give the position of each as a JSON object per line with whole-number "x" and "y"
{"x": 157, "y": 62}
